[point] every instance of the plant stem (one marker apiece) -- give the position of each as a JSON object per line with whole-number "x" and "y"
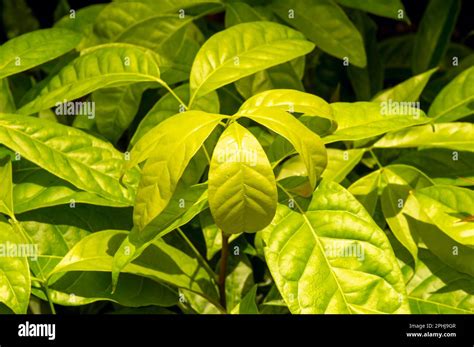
{"x": 202, "y": 261}
{"x": 376, "y": 159}
{"x": 51, "y": 305}
{"x": 206, "y": 153}
{"x": 168, "y": 88}
{"x": 223, "y": 269}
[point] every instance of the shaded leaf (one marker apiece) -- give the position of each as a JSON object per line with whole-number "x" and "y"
{"x": 437, "y": 288}
{"x": 434, "y": 33}
{"x": 387, "y": 8}
{"x": 326, "y": 24}
{"x": 160, "y": 262}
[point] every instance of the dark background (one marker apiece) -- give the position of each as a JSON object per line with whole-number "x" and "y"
{"x": 44, "y": 11}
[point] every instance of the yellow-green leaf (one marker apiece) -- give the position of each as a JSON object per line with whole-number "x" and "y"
{"x": 242, "y": 187}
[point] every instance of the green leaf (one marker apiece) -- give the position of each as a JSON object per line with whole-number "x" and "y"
{"x": 434, "y": 34}
{"x": 444, "y": 166}
{"x": 456, "y": 100}
{"x": 7, "y": 104}
{"x": 273, "y": 303}
{"x": 386, "y": 8}
{"x": 396, "y": 53}
{"x": 101, "y": 66}
{"x": 36, "y": 188}
{"x": 437, "y": 288}
{"x": 163, "y": 6}
{"x": 248, "y": 304}
{"x": 35, "y": 48}
{"x": 82, "y": 23}
{"x": 240, "y": 12}
{"x": 308, "y": 145}
{"x": 366, "y": 190}
{"x": 116, "y": 18}
{"x": 160, "y": 262}
{"x": 199, "y": 305}
{"x": 82, "y": 288}
{"x": 55, "y": 230}
{"x": 160, "y": 33}
{"x": 451, "y": 252}
{"x": 367, "y": 81}
{"x": 14, "y": 271}
{"x": 12, "y": 11}
{"x": 326, "y": 24}
{"x": 145, "y": 146}
{"x": 212, "y": 234}
{"x": 285, "y": 75}
{"x": 178, "y": 140}
{"x": 239, "y": 280}
{"x": 168, "y": 106}
{"x": 166, "y": 36}
{"x": 291, "y": 101}
{"x": 278, "y": 77}
{"x": 178, "y": 55}
{"x": 81, "y": 159}
{"x": 332, "y": 258}
{"x": 341, "y": 163}
{"x": 456, "y": 136}
{"x": 147, "y": 26}
{"x": 248, "y": 48}
{"x": 186, "y": 203}
{"x": 362, "y": 120}
{"x": 83, "y": 19}
{"x": 242, "y": 187}
{"x": 6, "y": 187}
{"x": 407, "y": 91}
{"x": 116, "y": 108}
{"x": 450, "y": 208}
{"x": 401, "y": 180}
{"x": 293, "y": 176}
{"x": 33, "y": 91}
